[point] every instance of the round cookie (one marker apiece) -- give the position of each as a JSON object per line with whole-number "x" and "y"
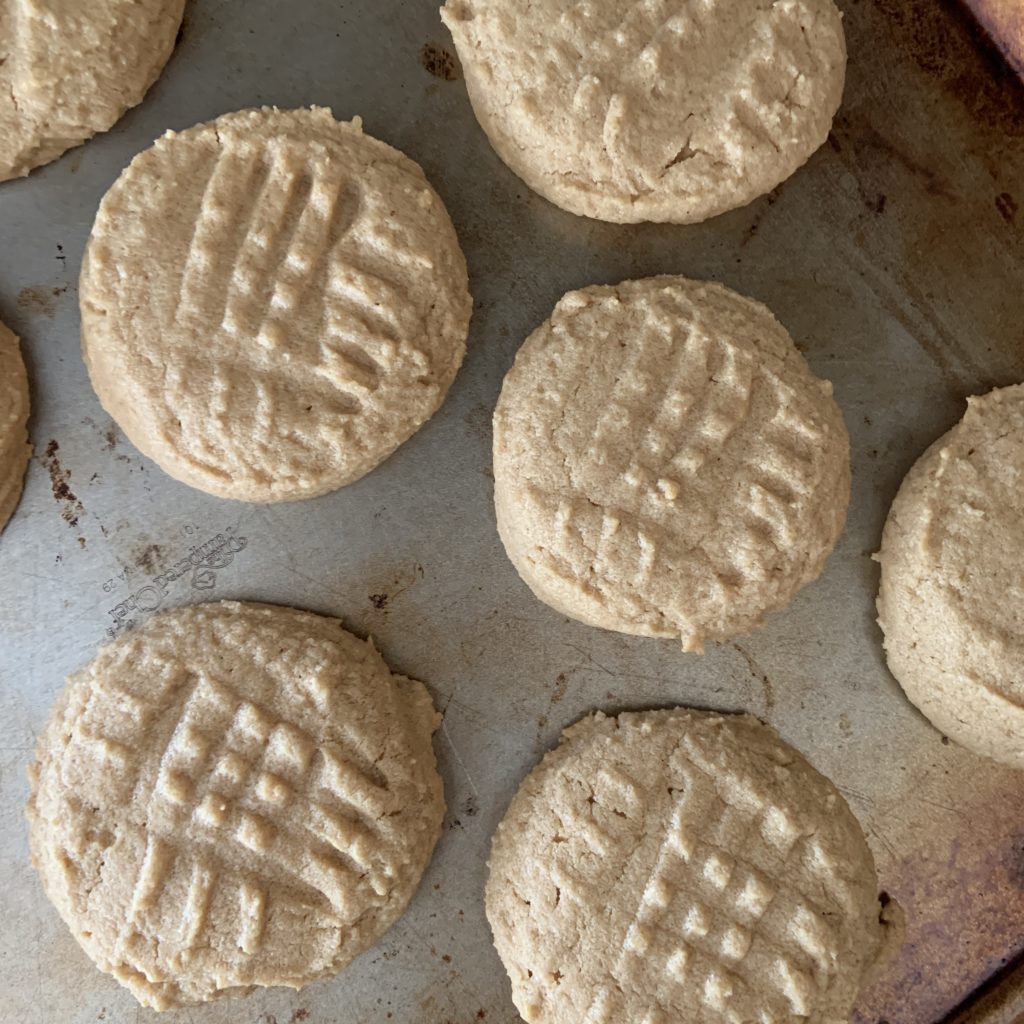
{"x": 670, "y": 111}
{"x": 233, "y": 795}
{"x": 665, "y": 463}
{"x": 683, "y": 866}
{"x": 70, "y": 69}
{"x": 952, "y": 585}
{"x": 14, "y": 403}
{"x": 271, "y": 303}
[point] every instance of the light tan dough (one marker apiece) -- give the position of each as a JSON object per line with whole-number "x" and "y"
{"x": 71, "y": 68}
{"x": 684, "y": 866}
{"x": 15, "y": 450}
{"x": 272, "y": 303}
{"x": 233, "y": 795}
{"x": 651, "y": 110}
{"x": 951, "y": 602}
{"x": 665, "y": 463}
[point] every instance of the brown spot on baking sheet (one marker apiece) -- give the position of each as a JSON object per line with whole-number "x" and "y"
{"x": 300, "y": 1014}
{"x": 391, "y": 585}
{"x": 765, "y": 204}
{"x": 71, "y": 507}
{"x": 561, "y": 685}
{"x": 150, "y": 558}
{"x": 40, "y": 299}
{"x": 478, "y": 419}
{"x": 439, "y": 62}
{"x": 1007, "y": 207}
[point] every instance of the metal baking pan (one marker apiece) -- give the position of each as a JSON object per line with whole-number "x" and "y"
{"x": 895, "y": 258}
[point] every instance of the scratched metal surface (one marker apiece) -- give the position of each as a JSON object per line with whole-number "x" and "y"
{"x": 895, "y": 258}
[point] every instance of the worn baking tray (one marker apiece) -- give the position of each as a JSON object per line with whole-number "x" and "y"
{"x": 896, "y": 260}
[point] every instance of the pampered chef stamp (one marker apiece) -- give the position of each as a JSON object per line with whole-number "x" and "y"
{"x": 197, "y": 566}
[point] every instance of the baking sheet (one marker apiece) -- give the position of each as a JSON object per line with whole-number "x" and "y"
{"x": 896, "y": 260}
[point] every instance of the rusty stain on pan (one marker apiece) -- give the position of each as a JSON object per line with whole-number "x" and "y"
{"x": 962, "y": 888}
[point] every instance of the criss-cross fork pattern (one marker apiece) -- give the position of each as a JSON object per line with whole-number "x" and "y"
{"x": 717, "y": 917}
{"x": 246, "y": 800}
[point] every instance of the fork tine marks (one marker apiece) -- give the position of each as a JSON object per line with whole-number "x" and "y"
{"x": 220, "y": 232}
